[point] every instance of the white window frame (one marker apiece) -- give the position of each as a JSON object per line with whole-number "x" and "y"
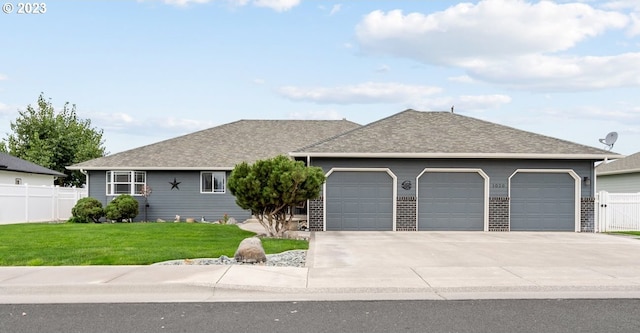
{"x": 133, "y": 183}
{"x": 213, "y": 183}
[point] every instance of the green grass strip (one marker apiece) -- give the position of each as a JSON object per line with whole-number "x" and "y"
{"x": 51, "y": 244}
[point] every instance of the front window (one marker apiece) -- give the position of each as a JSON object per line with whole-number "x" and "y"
{"x": 212, "y": 182}
{"x": 126, "y": 182}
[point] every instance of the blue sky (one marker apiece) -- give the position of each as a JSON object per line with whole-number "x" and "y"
{"x": 145, "y": 71}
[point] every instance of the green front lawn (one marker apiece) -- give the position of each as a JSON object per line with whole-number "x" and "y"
{"x": 36, "y": 244}
{"x": 631, "y": 233}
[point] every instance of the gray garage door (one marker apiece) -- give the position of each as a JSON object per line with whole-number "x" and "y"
{"x": 359, "y": 201}
{"x": 451, "y": 201}
{"x": 542, "y": 201}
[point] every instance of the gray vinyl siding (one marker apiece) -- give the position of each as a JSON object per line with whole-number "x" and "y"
{"x": 165, "y": 203}
{"x": 498, "y": 170}
{"x": 621, "y": 183}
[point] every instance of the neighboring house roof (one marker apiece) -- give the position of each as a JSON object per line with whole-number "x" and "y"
{"x": 629, "y": 164}
{"x": 446, "y": 135}
{"x": 222, "y": 147}
{"x": 12, "y": 163}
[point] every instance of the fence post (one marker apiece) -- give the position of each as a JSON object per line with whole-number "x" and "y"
{"x": 26, "y": 202}
{"x": 55, "y": 204}
{"x": 603, "y": 219}
{"x": 596, "y": 212}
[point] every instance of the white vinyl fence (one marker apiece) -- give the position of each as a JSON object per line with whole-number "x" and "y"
{"x": 617, "y": 211}
{"x": 28, "y": 203}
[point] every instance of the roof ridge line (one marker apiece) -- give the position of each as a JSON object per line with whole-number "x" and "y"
{"x": 534, "y": 133}
{"x": 352, "y": 130}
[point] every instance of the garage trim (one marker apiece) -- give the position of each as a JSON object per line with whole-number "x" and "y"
{"x": 470, "y": 170}
{"x": 387, "y": 170}
{"x": 577, "y": 190}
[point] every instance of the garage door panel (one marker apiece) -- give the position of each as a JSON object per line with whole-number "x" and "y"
{"x": 451, "y": 201}
{"x": 542, "y": 201}
{"x": 359, "y": 201}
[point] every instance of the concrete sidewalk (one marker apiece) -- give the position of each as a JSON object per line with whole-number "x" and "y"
{"x": 99, "y": 284}
{"x": 364, "y": 266}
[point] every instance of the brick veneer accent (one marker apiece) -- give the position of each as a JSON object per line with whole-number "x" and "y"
{"x": 499, "y": 214}
{"x": 316, "y": 212}
{"x": 587, "y": 214}
{"x": 406, "y": 213}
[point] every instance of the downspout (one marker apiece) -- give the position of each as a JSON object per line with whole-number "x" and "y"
{"x": 86, "y": 178}
{"x": 308, "y": 201}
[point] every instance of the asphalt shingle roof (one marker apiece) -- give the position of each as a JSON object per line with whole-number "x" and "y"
{"x": 223, "y": 146}
{"x": 442, "y": 134}
{"x": 629, "y": 164}
{"x": 12, "y": 163}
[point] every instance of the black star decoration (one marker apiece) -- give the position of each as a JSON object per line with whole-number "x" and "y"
{"x": 175, "y": 184}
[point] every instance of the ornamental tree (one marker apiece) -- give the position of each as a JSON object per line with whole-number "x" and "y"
{"x": 271, "y": 189}
{"x": 123, "y": 207}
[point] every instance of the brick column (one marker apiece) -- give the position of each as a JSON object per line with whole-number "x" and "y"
{"x": 316, "y": 214}
{"x": 587, "y": 214}
{"x": 406, "y": 213}
{"x": 499, "y": 214}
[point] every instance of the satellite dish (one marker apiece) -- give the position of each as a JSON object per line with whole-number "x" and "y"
{"x": 610, "y": 139}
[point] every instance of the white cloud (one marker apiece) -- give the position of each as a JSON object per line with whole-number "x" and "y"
{"x": 125, "y": 123}
{"x": 181, "y": 124}
{"x": 336, "y": 8}
{"x": 382, "y": 69}
{"x": 464, "y": 103}
{"x": 258, "y": 81}
{"x": 505, "y": 41}
{"x": 363, "y": 93}
{"x": 3, "y": 77}
{"x": 622, "y": 4}
{"x": 481, "y": 102}
{"x": 317, "y": 115}
{"x": 277, "y": 5}
{"x": 622, "y": 114}
{"x": 547, "y": 73}
{"x": 461, "y": 79}
{"x": 634, "y": 30}
{"x": 183, "y": 3}
{"x": 5, "y": 109}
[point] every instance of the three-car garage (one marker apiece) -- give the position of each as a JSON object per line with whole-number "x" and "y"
{"x": 451, "y": 199}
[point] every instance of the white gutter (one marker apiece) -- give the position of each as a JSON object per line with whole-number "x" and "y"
{"x": 139, "y": 168}
{"x": 461, "y": 155}
{"x": 617, "y": 172}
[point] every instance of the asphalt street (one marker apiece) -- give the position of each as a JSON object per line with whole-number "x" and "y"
{"x": 533, "y": 315}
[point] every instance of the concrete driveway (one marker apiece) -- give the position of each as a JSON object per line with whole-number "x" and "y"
{"x": 471, "y": 249}
{"x": 487, "y": 264}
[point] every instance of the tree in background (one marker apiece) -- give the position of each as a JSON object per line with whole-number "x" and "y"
{"x": 54, "y": 140}
{"x": 271, "y": 189}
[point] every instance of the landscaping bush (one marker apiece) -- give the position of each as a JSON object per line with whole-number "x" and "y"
{"x": 123, "y": 207}
{"x": 87, "y": 210}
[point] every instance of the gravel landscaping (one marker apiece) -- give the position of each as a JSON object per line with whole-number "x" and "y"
{"x": 294, "y": 258}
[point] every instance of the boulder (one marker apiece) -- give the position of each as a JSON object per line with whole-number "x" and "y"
{"x": 250, "y": 250}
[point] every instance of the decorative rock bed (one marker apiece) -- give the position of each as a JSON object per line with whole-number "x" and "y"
{"x": 294, "y": 258}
